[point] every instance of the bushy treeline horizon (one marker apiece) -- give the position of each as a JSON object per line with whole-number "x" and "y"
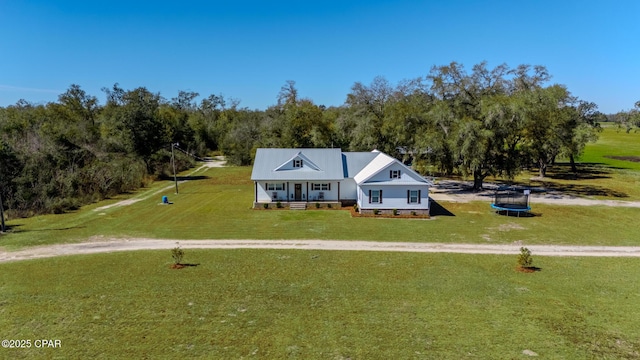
{"x": 61, "y": 155}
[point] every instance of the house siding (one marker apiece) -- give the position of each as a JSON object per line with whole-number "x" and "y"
{"x": 348, "y": 190}
{"x": 393, "y": 197}
{"x": 307, "y": 194}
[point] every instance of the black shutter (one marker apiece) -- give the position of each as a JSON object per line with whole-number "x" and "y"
{"x": 266, "y": 186}
{"x": 408, "y": 198}
{"x": 419, "y": 196}
{"x": 380, "y": 196}
{"x": 329, "y": 186}
{"x": 390, "y": 174}
{"x": 369, "y": 196}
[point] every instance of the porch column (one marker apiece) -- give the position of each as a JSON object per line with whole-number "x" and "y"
{"x": 338, "y": 190}
{"x": 255, "y": 191}
{"x": 288, "y": 196}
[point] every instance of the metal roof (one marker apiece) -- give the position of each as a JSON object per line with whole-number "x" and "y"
{"x": 381, "y": 162}
{"x": 326, "y": 164}
{"x": 354, "y": 162}
{"x": 268, "y": 164}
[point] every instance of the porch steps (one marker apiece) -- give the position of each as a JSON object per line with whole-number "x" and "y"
{"x": 298, "y": 206}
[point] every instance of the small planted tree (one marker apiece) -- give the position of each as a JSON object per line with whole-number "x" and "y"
{"x": 177, "y": 254}
{"x": 524, "y": 258}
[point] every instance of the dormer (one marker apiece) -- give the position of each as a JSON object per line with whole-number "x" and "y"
{"x": 298, "y": 162}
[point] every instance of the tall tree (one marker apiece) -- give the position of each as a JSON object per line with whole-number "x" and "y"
{"x": 482, "y": 118}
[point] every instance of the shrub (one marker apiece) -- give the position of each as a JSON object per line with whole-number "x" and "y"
{"x": 329, "y": 206}
{"x": 355, "y": 207}
{"x": 177, "y": 254}
{"x": 265, "y": 205}
{"x": 317, "y": 205}
{"x": 395, "y": 212}
{"x": 413, "y": 213}
{"x": 376, "y": 211}
{"x": 279, "y": 205}
{"x": 524, "y": 258}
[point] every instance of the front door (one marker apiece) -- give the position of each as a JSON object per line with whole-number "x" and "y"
{"x": 298, "y": 192}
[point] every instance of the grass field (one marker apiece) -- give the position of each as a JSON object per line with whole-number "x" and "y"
{"x": 331, "y": 305}
{"x": 278, "y": 304}
{"x": 600, "y": 175}
{"x": 216, "y": 205}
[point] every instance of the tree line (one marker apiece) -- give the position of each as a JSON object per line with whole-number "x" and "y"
{"x": 486, "y": 121}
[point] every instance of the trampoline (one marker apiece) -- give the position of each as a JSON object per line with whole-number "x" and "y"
{"x": 511, "y": 200}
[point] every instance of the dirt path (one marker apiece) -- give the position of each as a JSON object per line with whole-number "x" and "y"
{"x": 103, "y": 245}
{"x": 457, "y": 191}
{"x": 217, "y": 161}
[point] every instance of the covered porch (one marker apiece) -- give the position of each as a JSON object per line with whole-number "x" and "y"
{"x": 286, "y": 192}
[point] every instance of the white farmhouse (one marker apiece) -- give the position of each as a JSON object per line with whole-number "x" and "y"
{"x": 373, "y": 180}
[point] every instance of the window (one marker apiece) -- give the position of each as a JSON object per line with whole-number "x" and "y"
{"x": 375, "y": 196}
{"x": 297, "y": 163}
{"x": 320, "y": 186}
{"x": 413, "y": 197}
{"x": 277, "y": 187}
{"x": 394, "y": 174}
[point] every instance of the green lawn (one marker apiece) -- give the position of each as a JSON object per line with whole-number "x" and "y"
{"x": 614, "y": 142}
{"x": 600, "y": 175}
{"x": 277, "y": 304}
{"x": 330, "y": 305}
{"x": 218, "y": 207}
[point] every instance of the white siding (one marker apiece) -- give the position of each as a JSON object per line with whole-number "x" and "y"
{"x": 348, "y": 189}
{"x": 393, "y": 197}
{"x": 329, "y": 195}
{"x": 265, "y": 195}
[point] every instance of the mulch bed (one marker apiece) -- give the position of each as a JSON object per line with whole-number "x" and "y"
{"x": 354, "y": 213}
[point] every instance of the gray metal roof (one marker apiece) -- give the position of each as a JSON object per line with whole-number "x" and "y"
{"x": 325, "y": 164}
{"x": 354, "y": 162}
{"x": 268, "y": 164}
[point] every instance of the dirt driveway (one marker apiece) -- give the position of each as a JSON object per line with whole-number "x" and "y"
{"x": 458, "y": 191}
{"x": 104, "y": 245}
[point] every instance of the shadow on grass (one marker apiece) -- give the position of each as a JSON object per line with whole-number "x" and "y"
{"x": 520, "y": 214}
{"x": 528, "y": 269}
{"x": 439, "y": 210}
{"x": 185, "y": 178}
{"x": 182, "y": 266}
{"x": 50, "y": 229}
{"x": 584, "y": 190}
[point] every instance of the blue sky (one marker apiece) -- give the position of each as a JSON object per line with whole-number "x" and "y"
{"x": 247, "y": 50}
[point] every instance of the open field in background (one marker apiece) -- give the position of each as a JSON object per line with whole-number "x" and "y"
{"x": 217, "y": 206}
{"x": 600, "y": 175}
{"x": 336, "y": 305}
{"x": 321, "y": 305}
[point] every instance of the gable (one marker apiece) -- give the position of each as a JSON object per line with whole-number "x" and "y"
{"x": 389, "y": 171}
{"x": 299, "y": 162}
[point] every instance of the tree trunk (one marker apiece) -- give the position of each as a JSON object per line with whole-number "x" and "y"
{"x": 478, "y": 179}
{"x": 573, "y": 164}
{"x": 2, "y": 227}
{"x": 543, "y": 168}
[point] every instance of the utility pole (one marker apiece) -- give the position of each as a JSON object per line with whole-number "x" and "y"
{"x": 173, "y": 161}
{"x": 3, "y": 228}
